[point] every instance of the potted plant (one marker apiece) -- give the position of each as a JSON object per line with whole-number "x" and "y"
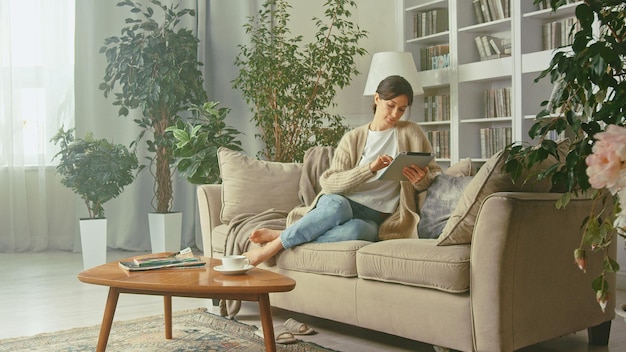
{"x": 155, "y": 64}
{"x": 589, "y": 98}
{"x": 290, "y": 84}
{"x": 97, "y": 170}
{"x": 197, "y": 142}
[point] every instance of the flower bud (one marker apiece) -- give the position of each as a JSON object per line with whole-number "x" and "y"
{"x": 581, "y": 259}
{"x": 603, "y": 298}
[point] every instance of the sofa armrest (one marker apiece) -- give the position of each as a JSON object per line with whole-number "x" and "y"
{"x": 524, "y": 284}
{"x": 209, "y": 207}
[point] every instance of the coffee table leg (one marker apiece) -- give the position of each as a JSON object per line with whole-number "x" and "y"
{"x": 107, "y": 319}
{"x": 167, "y": 311}
{"x": 266, "y": 322}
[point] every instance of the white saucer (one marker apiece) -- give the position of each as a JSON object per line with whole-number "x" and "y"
{"x": 221, "y": 269}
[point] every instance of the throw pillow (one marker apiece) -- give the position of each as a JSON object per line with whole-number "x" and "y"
{"x": 441, "y": 198}
{"x": 462, "y": 168}
{"x": 252, "y": 186}
{"x": 488, "y": 180}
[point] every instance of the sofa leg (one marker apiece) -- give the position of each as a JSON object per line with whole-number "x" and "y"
{"x": 599, "y": 334}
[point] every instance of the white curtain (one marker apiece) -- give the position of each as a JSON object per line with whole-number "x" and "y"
{"x": 36, "y": 98}
{"x": 51, "y": 69}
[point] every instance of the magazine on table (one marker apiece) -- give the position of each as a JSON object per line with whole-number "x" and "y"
{"x": 184, "y": 258}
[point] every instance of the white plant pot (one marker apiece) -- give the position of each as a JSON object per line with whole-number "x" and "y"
{"x": 165, "y": 231}
{"x": 93, "y": 241}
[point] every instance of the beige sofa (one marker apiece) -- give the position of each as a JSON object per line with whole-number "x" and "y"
{"x": 513, "y": 285}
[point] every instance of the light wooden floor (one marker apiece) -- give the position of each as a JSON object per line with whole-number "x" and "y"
{"x": 39, "y": 293}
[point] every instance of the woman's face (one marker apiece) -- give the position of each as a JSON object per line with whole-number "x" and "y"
{"x": 388, "y": 112}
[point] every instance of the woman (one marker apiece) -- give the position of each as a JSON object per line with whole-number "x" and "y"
{"x": 353, "y": 204}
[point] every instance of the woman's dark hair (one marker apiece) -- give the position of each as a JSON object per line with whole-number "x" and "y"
{"x": 394, "y": 86}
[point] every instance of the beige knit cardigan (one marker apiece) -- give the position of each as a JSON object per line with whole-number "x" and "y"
{"x": 344, "y": 175}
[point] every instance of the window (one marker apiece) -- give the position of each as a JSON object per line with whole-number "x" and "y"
{"x": 37, "y": 78}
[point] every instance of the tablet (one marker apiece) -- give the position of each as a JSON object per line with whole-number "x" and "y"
{"x": 393, "y": 172}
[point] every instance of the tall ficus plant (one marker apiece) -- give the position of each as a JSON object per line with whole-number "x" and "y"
{"x": 291, "y": 84}
{"x": 155, "y": 64}
{"x": 590, "y": 95}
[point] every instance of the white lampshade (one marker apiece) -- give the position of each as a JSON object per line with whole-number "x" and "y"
{"x": 388, "y": 63}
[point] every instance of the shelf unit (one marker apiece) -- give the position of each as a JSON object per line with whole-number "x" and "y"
{"x": 467, "y": 77}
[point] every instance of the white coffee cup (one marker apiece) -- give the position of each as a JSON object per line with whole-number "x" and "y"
{"x": 235, "y": 262}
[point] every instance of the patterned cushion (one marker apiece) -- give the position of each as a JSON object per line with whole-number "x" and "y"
{"x": 442, "y": 197}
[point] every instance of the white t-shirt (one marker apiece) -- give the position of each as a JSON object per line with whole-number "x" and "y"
{"x": 379, "y": 195}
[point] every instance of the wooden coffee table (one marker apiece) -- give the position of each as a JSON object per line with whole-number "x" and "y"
{"x": 202, "y": 282}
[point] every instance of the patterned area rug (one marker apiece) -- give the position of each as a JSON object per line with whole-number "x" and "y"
{"x": 192, "y": 330}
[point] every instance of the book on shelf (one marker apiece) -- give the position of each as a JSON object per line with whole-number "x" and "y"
{"x": 437, "y": 108}
{"x": 490, "y": 47}
{"x": 497, "y": 102}
{"x": 557, "y": 34}
{"x": 478, "y": 11}
{"x": 484, "y": 6}
{"x": 184, "y": 258}
{"x": 430, "y": 22}
{"x": 545, "y": 4}
{"x": 440, "y": 142}
{"x": 491, "y": 10}
{"x": 434, "y": 57}
{"x": 494, "y": 139}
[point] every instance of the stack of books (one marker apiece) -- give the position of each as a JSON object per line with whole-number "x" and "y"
{"x": 557, "y": 34}
{"x": 430, "y": 22}
{"x": 434, "y": 57}
{"x": 545, "y": 4}
{"x": 497, "y": 102}
{"x": 490, "y": 47}
{"x": 440, "y": 141}
{"x": 437, "y": 108}
{"x": 494, "y": 139}
{"x": 491, "y": 10}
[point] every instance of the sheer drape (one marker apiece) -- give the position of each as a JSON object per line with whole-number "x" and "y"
{"x": 36, "y": 211}
{"x": 36, "y": 98}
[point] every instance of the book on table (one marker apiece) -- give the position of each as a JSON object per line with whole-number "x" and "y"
{"x": 184, "y": 258}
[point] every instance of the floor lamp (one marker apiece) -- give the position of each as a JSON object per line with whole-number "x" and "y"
{"x": 389, "y": 63}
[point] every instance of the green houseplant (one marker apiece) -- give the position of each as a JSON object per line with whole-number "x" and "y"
{"x": 590, "y": 95}
{"x": 97, "y": 170}
{"x": 155, "y": 65}
{"x": 290, "y": 84}
{"x": 198, "y": 139}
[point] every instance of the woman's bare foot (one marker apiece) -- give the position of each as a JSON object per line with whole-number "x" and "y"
{"x": 261, "y": 254}
{"x": 263, "y": 235}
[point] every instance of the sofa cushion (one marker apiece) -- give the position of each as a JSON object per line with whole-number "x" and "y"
{"x": 442, "y": 197}
{"x": 337, "y": 258}
{"x": 416, "y": 262}
{"x": 488, "y": 180}
{"x": 251, "y": 186}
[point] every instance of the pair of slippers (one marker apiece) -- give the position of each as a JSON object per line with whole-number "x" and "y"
{"x": 284, "y": 334}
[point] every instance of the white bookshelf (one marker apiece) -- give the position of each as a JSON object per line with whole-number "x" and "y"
{"x": 468, "y": 77}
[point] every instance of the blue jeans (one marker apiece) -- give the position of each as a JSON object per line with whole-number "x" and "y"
{"x": 335, "y": 218}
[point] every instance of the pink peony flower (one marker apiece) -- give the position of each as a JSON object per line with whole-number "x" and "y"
{"x": 605, "y": 167}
